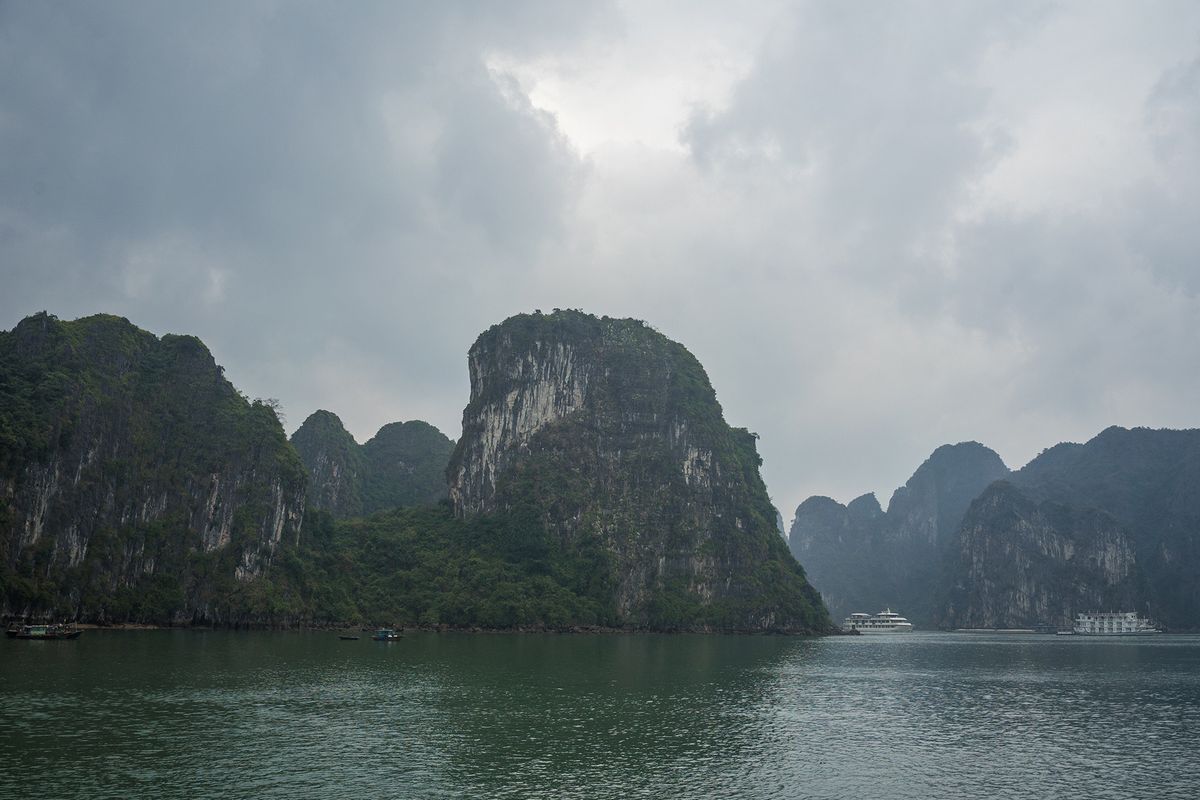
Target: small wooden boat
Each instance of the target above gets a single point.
(385, 635)
(49, 632)
(345, 638)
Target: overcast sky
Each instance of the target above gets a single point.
(881, 227)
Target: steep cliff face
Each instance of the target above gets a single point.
(334, 463)
(1019, 563)
(863, 559)
(607, 436)
(404, 464)
(135, 481)
(1149, 481)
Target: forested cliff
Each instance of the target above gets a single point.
(135, 481)
(608, 436)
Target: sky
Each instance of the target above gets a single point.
(881, 227)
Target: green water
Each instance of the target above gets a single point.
(204, 714)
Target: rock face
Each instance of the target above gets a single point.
(1019, 563)
(1149, 482)
(334, 462)
(605, 433)
(404, 464)
(135, 481)
(863, 559)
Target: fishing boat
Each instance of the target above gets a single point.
(385, 635)
(48, 632)
(1113, 623)
(886, 621)
(346, 638)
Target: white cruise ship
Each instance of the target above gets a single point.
(886, 621)
(1119, 623)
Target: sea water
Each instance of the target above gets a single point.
(222, 714)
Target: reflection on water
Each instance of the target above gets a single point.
(222, 714)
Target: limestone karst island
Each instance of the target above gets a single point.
(595, 484)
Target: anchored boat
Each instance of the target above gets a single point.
(886, 621)
(386, 635)
(48, 632)
(1110, 623)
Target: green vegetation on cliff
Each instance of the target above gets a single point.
(423, 566)
(135, 481)
(404, 464)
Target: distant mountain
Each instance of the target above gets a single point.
(135, 482)
(1018, 563)
(864, 559)
(1147, 484)
(1110, 524)
(607, 439)
(404, 464)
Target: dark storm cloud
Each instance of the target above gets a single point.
(278, 178)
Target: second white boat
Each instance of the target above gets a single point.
(886, 621)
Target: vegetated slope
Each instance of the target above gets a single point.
(422, 565)
(404, 464)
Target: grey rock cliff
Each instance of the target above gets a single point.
(334, 462)
(1019, 563)
(134, 480)
(608, 434)
(1149, 482)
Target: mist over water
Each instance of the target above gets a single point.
(303, 715)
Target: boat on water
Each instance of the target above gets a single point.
(47, 632)
(886, 621)
(346, 638)
(385, 635)
(1113, 623)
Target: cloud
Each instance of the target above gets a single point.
(269, 175)
(880, 227)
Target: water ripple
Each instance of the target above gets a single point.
(215, 715)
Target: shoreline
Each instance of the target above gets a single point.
(566, 630)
